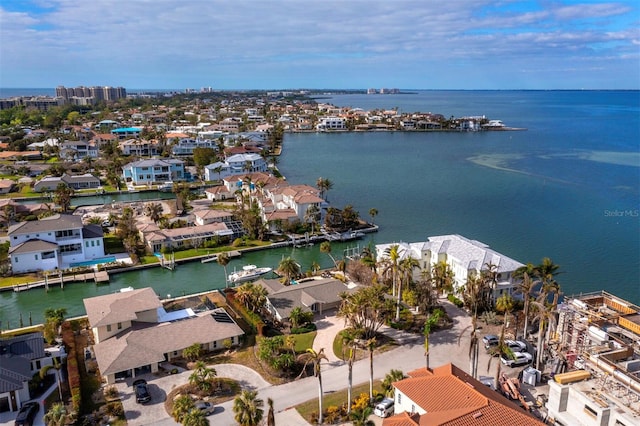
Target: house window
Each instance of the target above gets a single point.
(109, 328)
(38, 364)
(86, 244)
(215, 344)
(399, 398)
(98, 243)
(93, 243)
(119, 326)
(413, 408)
(175, 353)
(36, 256)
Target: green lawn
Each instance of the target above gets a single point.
(305, 341)
(336, 398)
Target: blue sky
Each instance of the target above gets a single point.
(278, 44)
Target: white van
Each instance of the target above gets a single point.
(384, 408)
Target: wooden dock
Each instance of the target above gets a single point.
(98, 277)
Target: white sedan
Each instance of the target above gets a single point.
(519, 358)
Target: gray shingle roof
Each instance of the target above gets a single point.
(56, 222)
(120, 307)
(144, 344)
(33, 246)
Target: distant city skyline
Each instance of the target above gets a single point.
(288, 44)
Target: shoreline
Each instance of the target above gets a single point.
(83, 275)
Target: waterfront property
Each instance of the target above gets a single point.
(235, 165)
(315, 294)
(153, 171)
(446, 395)
(134, 334)
(158, 240)
(20, 358)
(465, 257)
(53, 243)
(50, 183)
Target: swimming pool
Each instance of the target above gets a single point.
(98, 261)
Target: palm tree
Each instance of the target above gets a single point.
(223, 259)
(195, 417)
(154, 211)
(62, 197)
(312, 216)
(315, 358)
(56, 416)
(473, 293)
(373, 213)
(361, 417)
(442, 277)
(371, 346)
(323, 185)
(393, 254)
(315, 267)
(505, 303)
(525, 288)
(271, 418)
(407, 265)
(545, 315)
(181, 406)
(248, 408)
(387, 383)
(430, 323)
(325, 247)
(289, 268)
(349, 341)
(290, 342)
(201, 376)
(57, 366)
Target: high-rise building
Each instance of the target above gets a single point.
(91, 94)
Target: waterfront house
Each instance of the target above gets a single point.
(153, 171)
(159, 240)
(54, 242)
(21, 357)
(134, 334)
(331, 123)
(446, 395)
(465, 257)
(76, 182)
(315, 294)
(235, 165)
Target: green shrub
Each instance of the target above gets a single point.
(305, 329)
(453, 299)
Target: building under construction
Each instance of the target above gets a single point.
(599, 338)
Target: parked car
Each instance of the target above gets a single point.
(206, 407)
(519, 358)
(490, 340)
(27, 413)
(516, 345)
(384, 408)
(142, 392)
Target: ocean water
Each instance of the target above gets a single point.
(567, 187)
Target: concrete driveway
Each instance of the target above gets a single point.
(160, 386)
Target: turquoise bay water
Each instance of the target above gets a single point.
(568, 188)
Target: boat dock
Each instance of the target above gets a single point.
(214, 257)
(98, 277)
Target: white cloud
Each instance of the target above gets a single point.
(200, 41)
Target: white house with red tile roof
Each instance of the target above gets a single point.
(448, 396)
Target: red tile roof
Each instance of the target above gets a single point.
(452, 397)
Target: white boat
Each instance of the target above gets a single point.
(248, 273)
